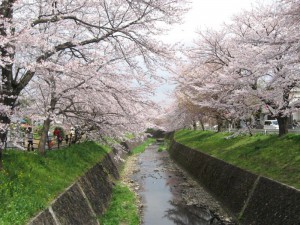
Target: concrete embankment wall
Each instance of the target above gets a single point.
(87, 198)
(252, 199)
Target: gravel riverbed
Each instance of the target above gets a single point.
(181, 200)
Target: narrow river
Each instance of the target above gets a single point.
(170, 196)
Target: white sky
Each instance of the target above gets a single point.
(206, 14)
(203, 14)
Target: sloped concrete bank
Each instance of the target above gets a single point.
(252, 199)
(84, 200)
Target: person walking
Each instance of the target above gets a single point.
(72, 136)
(29, 139)
(58, 135)
(67, 139)
(49, 140)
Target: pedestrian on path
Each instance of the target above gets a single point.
(72, 136)
(57, 133)
(29, 139)
(67, 139)
(49, 140)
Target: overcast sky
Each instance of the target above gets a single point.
(203, 14)
(207, 14)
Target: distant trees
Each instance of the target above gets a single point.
(250, 64)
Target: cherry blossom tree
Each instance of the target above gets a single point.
(206, 82)
(271, 61)
(249, 65)
(34, 33)
(182, 113)
(105, 103)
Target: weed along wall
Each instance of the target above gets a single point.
(84, 200)
(252, 199)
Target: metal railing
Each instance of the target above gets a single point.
(23, 145)
(259, 131)
(17, 139)
(273, 131)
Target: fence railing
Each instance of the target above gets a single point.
(258, 131)
(23, 144)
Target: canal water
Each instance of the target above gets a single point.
(170, 196)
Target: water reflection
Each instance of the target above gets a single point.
(191, 215)
(161, 194)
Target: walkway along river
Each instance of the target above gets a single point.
(170, 196)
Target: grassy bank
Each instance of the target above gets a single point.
(141, 148)
(29, 182)
(122, 208)
(268, 155)
(164, 145)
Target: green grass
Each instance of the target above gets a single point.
(163, 146)
(268, 155)
(29, 182)
(141, 148)
(122, 208)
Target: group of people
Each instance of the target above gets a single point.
(73, 136)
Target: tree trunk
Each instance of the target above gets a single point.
(220, 123)
(194, 125)
(6, 10)
(44, 137)
(3, 138)
(202, 124)
(1, 165)
(249, 128)
(283, 125)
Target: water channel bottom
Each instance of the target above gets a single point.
(162, 189)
